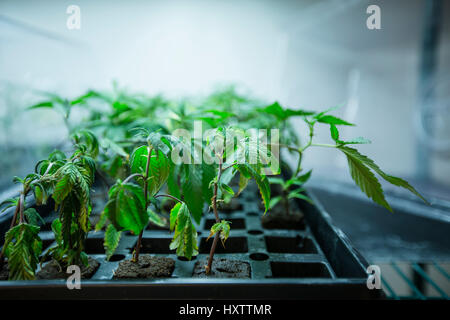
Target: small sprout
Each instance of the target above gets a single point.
(223, 228)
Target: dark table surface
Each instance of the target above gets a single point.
(414, 232)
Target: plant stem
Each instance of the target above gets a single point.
(48, 169)
(138, 244)
(168, 196)
(216, 214)
(13, 222)
(19, 211)
(323, 145)
(311, 135)
(302, 149)
(138, 247)
(132, 176)
(21, 206)
(290, 148)
(228, 167)
(299, 164)
(286, 203)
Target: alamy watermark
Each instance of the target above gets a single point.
(373, 22)
(374, 277)
(74, 280)
(251, 146)
(73, 21)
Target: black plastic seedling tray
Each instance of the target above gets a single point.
(315, 263)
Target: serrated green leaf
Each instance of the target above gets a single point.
(224, 228)
(155, 218)
(261, 180)
(193, 188)
(172, 180)
(72, 194)
(258, 155)
(159, 143)
(264, 190)
(276, 110)
(67, 207)
(174, 215)
(89, 139)
(138, 160)
(57, 230)
(208, 173)
(185, 237)
(126, 208)
(226, 188)
(335, 136)
(158, 171)
(56, 155)
(282, 114)
(358, 140)
(33, 217)
(63, 188)
(24, 248)
(364, 178)
(8, 203)
(111, 240)
(243, 182)
(49, 166)
(334, 132)
(353, 153)
(159, 167)
(291, 112)
(329, 119)
(225, 192)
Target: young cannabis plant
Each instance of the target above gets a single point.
(290, 189)
(230, 161)
(68, 181)
(128, 205)
(22, 244)
(63, 106)
(361, 167)
(72, 182)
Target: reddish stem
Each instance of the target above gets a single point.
(13, 222)
(19, 211)
(138, 244)
(21, 207)
(216, 214)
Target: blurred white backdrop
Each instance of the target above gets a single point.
(310, 54)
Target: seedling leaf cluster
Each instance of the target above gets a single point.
(126, 145)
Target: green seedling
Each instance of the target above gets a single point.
(71, 187)
(290, 189)
(228, 163)
(23, 245)
(361, 167)
(142, 168)
(128, 205)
